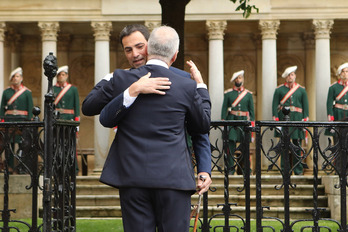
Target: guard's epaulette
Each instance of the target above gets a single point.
(249, 91)
(302, 86)
(280, 86)
(228, 90)
(333, 83)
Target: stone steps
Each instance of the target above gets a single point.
(95, 199)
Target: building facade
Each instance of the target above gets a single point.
(83, 34)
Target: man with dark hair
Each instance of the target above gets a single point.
(149, 161)
(133, 39)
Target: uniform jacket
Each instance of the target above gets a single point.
(246, 105)
(150, 149)
(70, 101)
(297, 102)
(99, 97)
(337, 113)
(24, 103)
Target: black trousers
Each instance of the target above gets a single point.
(145, 209)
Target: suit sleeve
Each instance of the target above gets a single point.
(76, 105)
(95, 101)
(2, 107)
(305, 105)
(329, 102)
(198, 118)
(225, 106)
(201, 147)
(113, 112)
(275, 104)
(251, 108)
(30, 105)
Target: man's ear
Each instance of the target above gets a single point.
(147, 54)
(174, 57)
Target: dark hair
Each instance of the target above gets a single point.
(129, 29)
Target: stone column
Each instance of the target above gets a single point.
(322, 30)
(216, 65)
(258, 44)
(269, 65)
(310, 89)
(2, 55)
(101, 68)
(49, 33)
(269, 74)
(152, 24)
(310, 73)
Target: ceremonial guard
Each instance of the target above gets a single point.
(16, 105)
(337, 98)
(67, 97)
(294, 96)
(237, 105)
(17, 101)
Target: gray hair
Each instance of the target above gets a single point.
(163, 43)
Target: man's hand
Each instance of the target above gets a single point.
(146, 85)
(195, 73)
(203, 186)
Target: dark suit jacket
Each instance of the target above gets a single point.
(97, 99)
(150, 149)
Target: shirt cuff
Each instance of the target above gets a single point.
(202, 85)
(127, 99)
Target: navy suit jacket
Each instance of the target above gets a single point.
(99, 97)
(150, 149)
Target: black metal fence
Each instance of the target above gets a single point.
(46, 152)
(326, 147)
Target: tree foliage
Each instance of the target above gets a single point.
(245, 7)
(173, 14)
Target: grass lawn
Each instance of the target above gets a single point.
(115, 225)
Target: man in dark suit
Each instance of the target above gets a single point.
(149, 161)
(133, 39)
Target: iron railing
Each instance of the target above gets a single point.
(43, 150)
(329, 156)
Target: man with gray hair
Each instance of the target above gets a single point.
(149, 161)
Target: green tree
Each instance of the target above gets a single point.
(173, 14)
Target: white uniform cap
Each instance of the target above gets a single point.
(237, 74)
(17, 70)
(288, 71)
(342, 66)
(64, 68)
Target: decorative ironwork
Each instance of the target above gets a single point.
(328, 157)
(52, 159)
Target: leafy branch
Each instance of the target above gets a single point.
(245, 7)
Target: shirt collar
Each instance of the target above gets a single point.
(157, 62)
(65, 84)
(16, 89)
(238, 88)
(292, 86)
(342, 83)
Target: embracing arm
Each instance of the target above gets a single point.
(97, 99)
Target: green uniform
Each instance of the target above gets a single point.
(232, 110)
(298, 103)
(69, 105)
(244, 110)
(20, 109)
(337, 109)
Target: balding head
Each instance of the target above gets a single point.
(163, 44)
